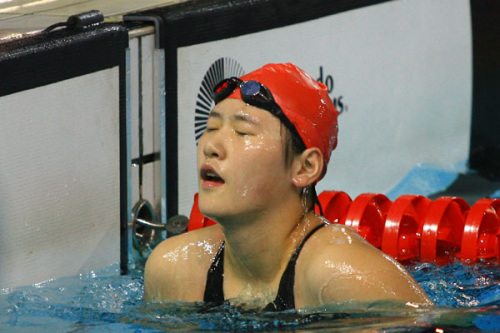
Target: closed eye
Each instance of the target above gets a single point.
(242, 133)
(210, 129)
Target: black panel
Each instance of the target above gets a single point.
(485, 131)
(471, 187)
(197, 22)
(61, 54)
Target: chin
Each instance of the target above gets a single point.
(209, 209)
(219, 207)
(217, 214)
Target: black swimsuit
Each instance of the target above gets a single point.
(285, 298)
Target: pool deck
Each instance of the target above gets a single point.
(19, 18)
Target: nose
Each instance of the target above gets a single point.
(213, 145)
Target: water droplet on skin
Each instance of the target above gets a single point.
(207, 247)
(243, 191)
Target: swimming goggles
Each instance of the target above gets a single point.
(255, 94)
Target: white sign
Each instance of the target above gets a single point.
(60, 179)
(400, 72)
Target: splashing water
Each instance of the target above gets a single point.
(468, 300)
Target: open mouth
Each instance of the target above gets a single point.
(209, 175)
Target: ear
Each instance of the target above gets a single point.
(307, 167)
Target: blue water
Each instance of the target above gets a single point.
(468, 300)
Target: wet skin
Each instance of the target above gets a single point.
(245, 186)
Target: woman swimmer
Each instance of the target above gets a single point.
(267, 143)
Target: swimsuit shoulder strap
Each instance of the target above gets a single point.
(285, 299)
(214, 288)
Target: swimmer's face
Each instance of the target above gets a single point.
(240, 162)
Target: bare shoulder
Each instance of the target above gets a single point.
(176, 269)
(338, 265)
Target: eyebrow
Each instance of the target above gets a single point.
(214, 114)
(240, 116)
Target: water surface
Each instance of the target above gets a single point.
(467, 299)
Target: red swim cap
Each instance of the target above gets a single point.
(304, 101)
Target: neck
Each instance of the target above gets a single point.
(258, 250)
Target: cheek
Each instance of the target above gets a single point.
(261, 154)
(199, 151)
(260, 167)
(200, 145)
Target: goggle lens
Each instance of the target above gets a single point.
(250, 88)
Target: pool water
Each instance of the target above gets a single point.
(467, 299)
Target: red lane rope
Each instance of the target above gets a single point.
(412, 227)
